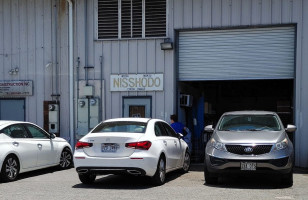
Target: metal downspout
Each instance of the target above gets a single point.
(71, 72)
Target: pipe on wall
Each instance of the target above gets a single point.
(71, 70)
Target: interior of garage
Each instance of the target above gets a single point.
(212, 98)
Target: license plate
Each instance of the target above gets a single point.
(250, 166)
(110, 147)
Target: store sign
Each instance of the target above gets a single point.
(137, 82)
(16, 88)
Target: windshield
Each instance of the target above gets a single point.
(129, 127)
(249, 123)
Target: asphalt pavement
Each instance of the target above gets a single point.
(51, 184)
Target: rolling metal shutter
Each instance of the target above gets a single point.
(238, 54)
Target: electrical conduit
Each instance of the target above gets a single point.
(71, 72)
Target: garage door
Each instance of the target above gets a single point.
(237, 54)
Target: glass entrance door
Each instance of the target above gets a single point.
(137, 107)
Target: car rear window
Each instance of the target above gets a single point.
(129, 127)
(249, 123)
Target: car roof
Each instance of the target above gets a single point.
(4, 123)
(130, 119)
(250, 112)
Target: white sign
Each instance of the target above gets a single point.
(137, 82)
(15, 88)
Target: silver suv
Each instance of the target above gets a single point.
(249, 142)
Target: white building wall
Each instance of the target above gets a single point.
(33, 38)
(127, 56)
(26, 43)
(34, 33)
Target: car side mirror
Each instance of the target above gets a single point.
(52, 136)
(290, 128)
(180, 135)
(209, 129)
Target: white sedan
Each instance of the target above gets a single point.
(136, 146)
(25, 147)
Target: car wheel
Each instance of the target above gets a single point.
(186, 164)
(209, 177)
(87, 178)
(160, 174)
(287, 179)
(10, 169)
(66, 159)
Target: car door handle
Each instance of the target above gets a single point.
(15, 144)
(39, 146)
(165, 143)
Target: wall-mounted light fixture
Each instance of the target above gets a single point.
(166, 45)
(14, 71)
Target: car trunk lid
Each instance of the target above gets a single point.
(111, 144)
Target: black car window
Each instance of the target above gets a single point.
(249, 123)
(36, 132)
(160, 130)
(123, 126)
(15, 131)
(169, 130)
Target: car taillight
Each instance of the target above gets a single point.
(144, 145)
(81, 145)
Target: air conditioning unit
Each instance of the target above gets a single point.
(186, 100)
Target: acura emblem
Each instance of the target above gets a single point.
(248, 149)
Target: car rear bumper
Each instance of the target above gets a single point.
(143, 166)
(111, 170)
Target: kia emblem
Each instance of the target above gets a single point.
(248, 150)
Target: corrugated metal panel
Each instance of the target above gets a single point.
(238, 54)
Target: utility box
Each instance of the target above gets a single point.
(53, 116)
(82, 116)
(87, 90)
(94, 112)
(88, 115)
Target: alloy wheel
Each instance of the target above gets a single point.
(186, 163)
(66, 159)
(162, 170)
(11, 168)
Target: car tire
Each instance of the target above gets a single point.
(159, 177)
(186, 163)
(66, 159)
(287, 179)
(87, 178)
(10, 169)
(209, 177)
